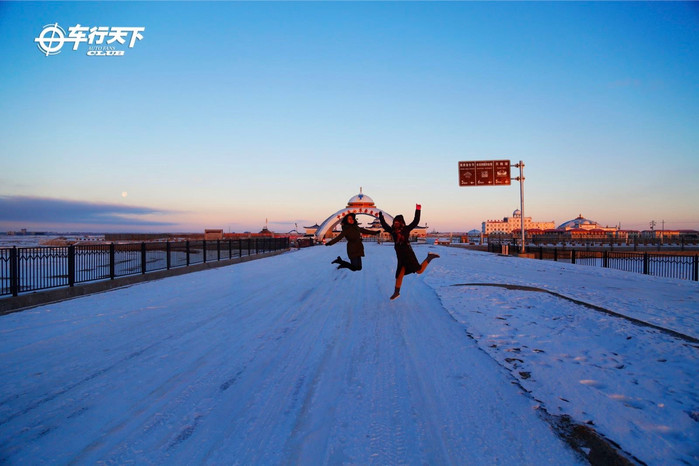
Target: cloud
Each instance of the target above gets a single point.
(28, 209)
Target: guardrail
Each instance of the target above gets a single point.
(683, 266)
(28, 269)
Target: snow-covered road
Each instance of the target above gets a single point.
(283, 360)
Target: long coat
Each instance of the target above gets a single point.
(401, 243)
(353, 233)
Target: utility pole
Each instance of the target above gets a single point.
(520, 178)
(662, 232)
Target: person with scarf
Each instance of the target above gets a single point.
(407, 261)
(355, 248)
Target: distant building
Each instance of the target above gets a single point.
(474, 236)
(669, 235)
(311, 231)
(213, 234)
(580, 229)
(583, 229)
(510, 224)
(581, 223)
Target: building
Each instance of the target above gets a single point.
(579, 230)
(509, 224)
(311, 231)
(212, 234)
(581, 223)
(474, 236)
(583, 229)
(360, 205)
(669, 235)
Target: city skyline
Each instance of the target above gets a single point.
(232, 114)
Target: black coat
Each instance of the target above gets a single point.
(353, 233)
(401, 242)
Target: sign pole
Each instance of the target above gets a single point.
(520, 178)
(494, 173)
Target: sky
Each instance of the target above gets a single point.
(473, 364)
(236, 114)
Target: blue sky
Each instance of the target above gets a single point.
(230, 114)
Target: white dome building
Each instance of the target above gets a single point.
(581, 223)
(361, 200)
(360, 204)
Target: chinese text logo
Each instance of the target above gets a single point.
(102, 40)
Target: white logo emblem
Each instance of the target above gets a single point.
(52, 38)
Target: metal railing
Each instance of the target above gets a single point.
(681, 266)
(29, 269)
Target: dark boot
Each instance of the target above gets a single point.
(396, 293)
(337, 261)
(344, 265)
(431, 256)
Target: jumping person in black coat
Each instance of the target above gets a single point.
(355, 249)
(407, 262)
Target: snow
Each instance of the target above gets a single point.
(288, 360)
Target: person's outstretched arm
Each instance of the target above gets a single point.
(384, 224)
(335, 239)
(416, 219)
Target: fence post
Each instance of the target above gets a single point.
(555, 254)
(168, 250)
(112, 261)
(605, 259)
(187, 251)
(249, 244)
(14, 271)
(218, 249)
(240, 247)
(230, 249)
(541, 253)
(143, 258)
(645, 263)
(572, 256)
(71, 265)
(696, 267)
(203, 247)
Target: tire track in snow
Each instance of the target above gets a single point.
(106, 371)
(289, 375)
(169, 385)
(63, 390)
(642, 323)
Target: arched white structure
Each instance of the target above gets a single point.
(361, 204)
